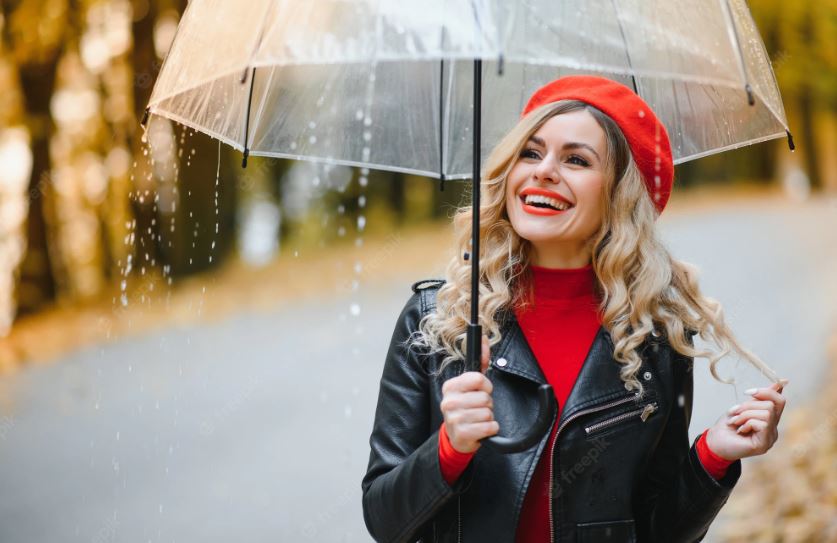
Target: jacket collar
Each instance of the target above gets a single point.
(598, 380)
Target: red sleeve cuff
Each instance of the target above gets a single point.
(452, 462)
(714, 464)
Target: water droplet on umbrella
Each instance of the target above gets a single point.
(312, 139)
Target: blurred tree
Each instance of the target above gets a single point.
(145, 64)
(35, 34)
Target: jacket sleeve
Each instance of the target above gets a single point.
(403, 487)
(679, 499)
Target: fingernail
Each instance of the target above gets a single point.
(751, 391)
(733, 408)
(733, 419)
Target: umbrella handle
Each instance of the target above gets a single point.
(546, 402)
(508, 445)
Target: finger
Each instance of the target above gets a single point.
(479, 414)
(472, 399)
(744, 406)
(472, 380)
(752, 425)
(771, 394)
(760, 414)
(469, 380)
(479, 430)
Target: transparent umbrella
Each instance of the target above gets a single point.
(400, 86)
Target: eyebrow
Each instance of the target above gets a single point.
(568, 145)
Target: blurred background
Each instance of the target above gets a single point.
(162, 310)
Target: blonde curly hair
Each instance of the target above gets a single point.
(641, 287)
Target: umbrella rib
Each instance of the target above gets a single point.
(736, 43)
(441, 124)
(729, 147)
(625, 41)
(247, 118)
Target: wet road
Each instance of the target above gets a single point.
(218, 432)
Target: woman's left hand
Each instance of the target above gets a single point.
(750, 428)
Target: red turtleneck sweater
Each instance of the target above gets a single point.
(565, 313)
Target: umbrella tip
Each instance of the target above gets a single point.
(244, 159)
(791, 146)
(751, 99)
(144, 120)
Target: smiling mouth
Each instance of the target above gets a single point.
(539, 205)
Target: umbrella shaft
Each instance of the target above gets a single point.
(475, 330)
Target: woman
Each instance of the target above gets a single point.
(578, 292)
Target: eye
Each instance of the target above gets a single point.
(530, 153)
(580, 161)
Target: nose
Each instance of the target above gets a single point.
(547, 170)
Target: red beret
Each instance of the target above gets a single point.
(646, 135)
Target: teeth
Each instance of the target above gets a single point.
(557, 204)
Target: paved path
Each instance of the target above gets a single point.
(213, 433)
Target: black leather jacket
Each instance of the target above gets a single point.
(623, 467)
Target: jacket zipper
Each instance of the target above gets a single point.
(458, 522)
(643, 412)
(552, 448)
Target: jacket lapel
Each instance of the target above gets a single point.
(598, 380)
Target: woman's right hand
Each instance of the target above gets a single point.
(468, 407)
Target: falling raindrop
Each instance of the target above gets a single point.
(361, 201)
(354, 309)
(361, 223)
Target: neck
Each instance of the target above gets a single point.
(563, 284)
(563, 256)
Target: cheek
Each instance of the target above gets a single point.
(592, 195)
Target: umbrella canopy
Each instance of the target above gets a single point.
(400, 85)
(388, 85)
